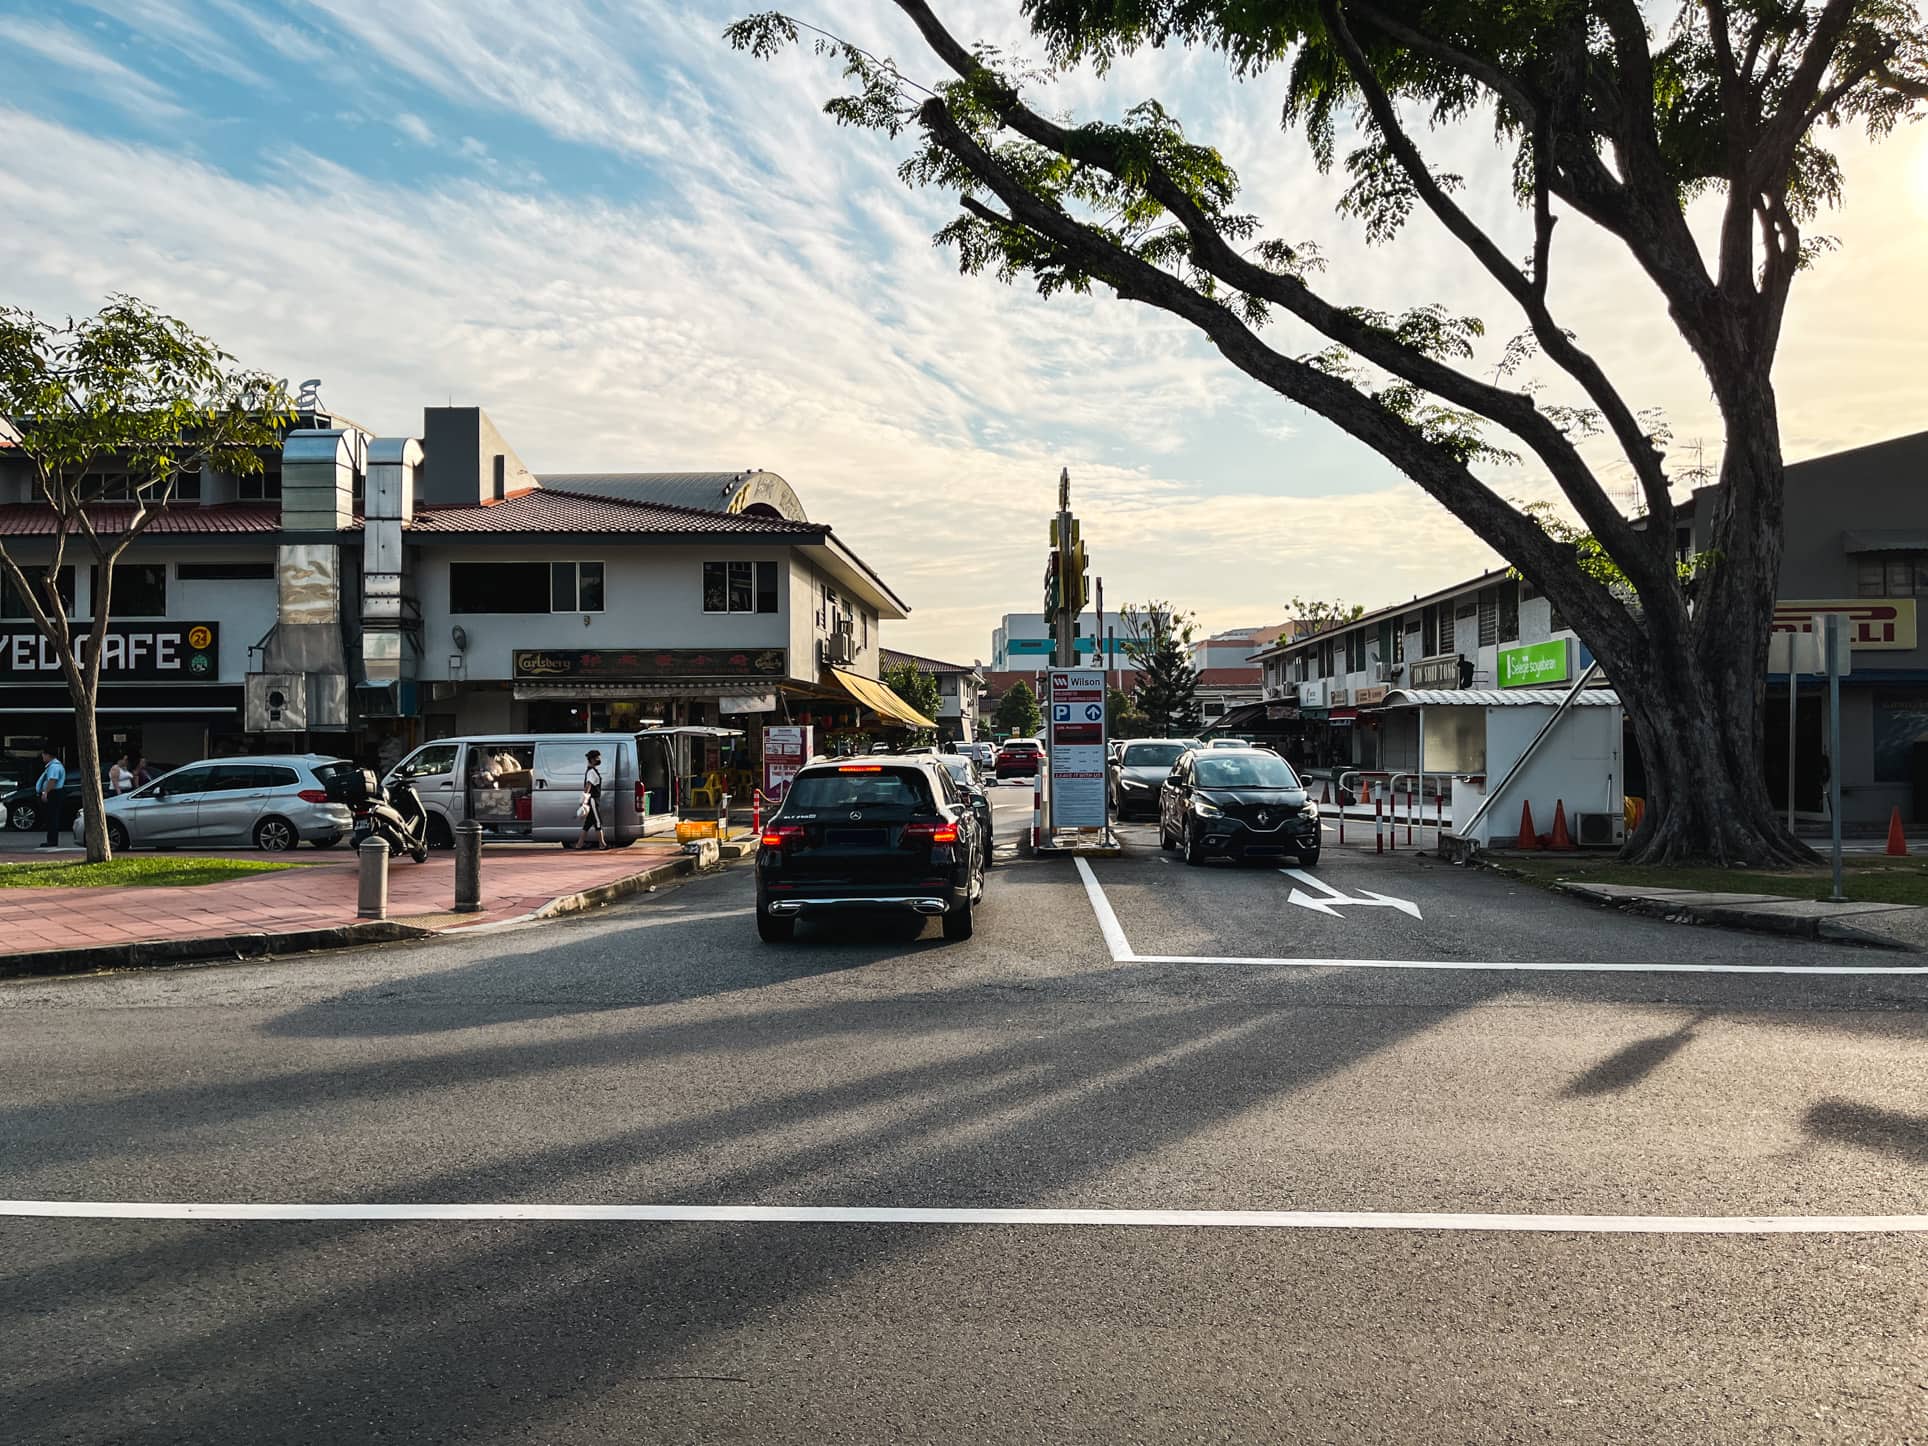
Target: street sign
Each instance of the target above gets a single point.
(1077, 747)
(1329, 900)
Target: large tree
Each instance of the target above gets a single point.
(1158, 640)
(111, 411)
(1017, 711)
(1603, 117)
(919, 689)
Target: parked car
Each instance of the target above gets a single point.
(964, 773)
(274, 802)
(23, 806)
(524, 786)
(1140, 770)
(1017, 756)
(1240, 803)
(889, 834)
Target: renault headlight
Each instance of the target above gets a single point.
(1205, 808)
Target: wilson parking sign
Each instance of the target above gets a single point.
(1077, 748)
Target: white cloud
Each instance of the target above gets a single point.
(414, 127)
(102, 75)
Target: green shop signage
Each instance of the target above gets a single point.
(1534, 665)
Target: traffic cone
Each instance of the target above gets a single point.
(1326, 796)
(1528, 839)
(1897, 841)
(1561, 838)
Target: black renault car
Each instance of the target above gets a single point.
(1242, 803)
(883, 834)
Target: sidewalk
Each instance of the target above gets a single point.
(1892, 926)
(318, 897)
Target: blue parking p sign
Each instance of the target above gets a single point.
(1060, 712)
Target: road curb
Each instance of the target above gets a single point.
(158, 953)
(610, 892)
(1736, 916)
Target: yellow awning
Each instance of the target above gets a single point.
(880, 699)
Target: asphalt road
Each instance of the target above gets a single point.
(657, 1053)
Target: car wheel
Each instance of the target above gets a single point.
(25, 817)
(958, 923)
(440, 835)
(275, 835)
(1193, 853)
(771, 929)
(1309, 859)
(117, 838)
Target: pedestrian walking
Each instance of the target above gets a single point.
(590, 809)
(143, 775)
(53, 778)
(121, 777)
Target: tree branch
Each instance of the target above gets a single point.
(1435, 470)
(1475, 67)
(1598, 510)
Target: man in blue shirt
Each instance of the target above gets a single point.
(53, 778)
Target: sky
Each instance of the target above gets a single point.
(640, 250)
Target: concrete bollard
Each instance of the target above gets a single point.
(373, 902)
(468, 867)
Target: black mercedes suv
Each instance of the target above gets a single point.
(877, 834)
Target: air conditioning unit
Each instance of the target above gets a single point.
(1599, 830)
(840, 648)
(1384, 672)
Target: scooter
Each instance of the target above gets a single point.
(394, 814)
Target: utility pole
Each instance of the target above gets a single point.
(1098, 642)
(1064, 653)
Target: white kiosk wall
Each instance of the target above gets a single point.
(1579, 764)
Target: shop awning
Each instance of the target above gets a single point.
(706, 688)
(1497, 697)
(880, 699)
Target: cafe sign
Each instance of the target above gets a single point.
(1535, 665)
(642, 665)
(131, 652)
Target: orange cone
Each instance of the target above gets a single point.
(1527, 839)
(1561, 838)
(1326, 796)
(1897, 841)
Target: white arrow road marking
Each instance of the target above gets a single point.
(1330, 904)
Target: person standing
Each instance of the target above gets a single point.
(590, 811)
(53, 778)
(120, 778)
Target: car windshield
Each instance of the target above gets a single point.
(1152, 755)
(1252, 770)
(857, 787)
(960, 768)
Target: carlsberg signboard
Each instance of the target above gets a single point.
(1534, 666)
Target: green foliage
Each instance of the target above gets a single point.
(1017, 711)
(919, 689)
(1123, 718)
(1593, 560)
(1312, 616)
(1158, 642)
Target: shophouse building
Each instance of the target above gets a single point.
(366, 593)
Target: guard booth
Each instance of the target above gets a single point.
(1498, 749)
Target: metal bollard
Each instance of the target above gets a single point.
(1378, 827)
(373, 903)
(468, 867)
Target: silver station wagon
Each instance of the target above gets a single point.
(275, 803)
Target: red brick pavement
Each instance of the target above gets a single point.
(321, 892)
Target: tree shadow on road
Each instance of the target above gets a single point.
(1628, 1066)
(1844, 1122)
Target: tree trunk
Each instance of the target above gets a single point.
(1706, 792)
(87, 765)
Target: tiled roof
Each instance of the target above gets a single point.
(1224, 677)
(37, 520)
(546, 509)
(896, 658)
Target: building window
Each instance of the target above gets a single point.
(745, 587)
(1399, 640)
(13, 605)
(224, 571)
(1489, 616)
(575, 587)
(499, 587)
(1509, 608)
(263, 486)
(1356, 651)
(140, 590)
(1429, 632)
(187, 486)
(1893, 576)
(1447, 642)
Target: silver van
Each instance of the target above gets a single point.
(524, 787)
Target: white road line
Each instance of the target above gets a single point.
(1122, 953)
(972, 1215)
(1108, 924)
